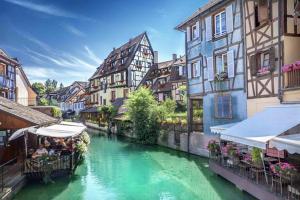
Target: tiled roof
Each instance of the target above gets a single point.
(125, 52)
(24, 112)
(199, 11)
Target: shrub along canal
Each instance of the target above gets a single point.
(118, 169)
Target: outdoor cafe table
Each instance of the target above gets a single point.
(255, 169)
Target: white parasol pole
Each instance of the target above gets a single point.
(262, 158)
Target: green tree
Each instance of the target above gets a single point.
(50, 85)
(107, 115)
(43, 102)
(39, 88)
(61, 86)
(56, 112)
(143, 112)
(182, 105)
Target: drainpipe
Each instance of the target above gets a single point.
(188, 97)
(280, 32)
(245, 49)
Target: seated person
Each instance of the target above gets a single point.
(46, 143)
(40, 152)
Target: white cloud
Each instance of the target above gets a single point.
(46, 9)
(41, 74)
(92, 55)
(35, 72)
(74, 30)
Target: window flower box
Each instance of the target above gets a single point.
(287, 68)
(221, 76)
(296, 66)
(263, 71)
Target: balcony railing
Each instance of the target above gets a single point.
(292, 79)
(258, 181)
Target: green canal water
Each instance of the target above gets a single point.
(116, 169)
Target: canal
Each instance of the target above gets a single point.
(116, 169)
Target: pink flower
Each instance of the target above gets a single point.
(287, 68)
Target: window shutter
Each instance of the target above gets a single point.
(230, 63)
(223, 106)
(210, 68)
(272, 58)
(180, 70)
(189, 71)
(208, 28)
(263, 10)
(188, 33)
(229, 19)
(199, 68)
(198, 28)
(253, 65)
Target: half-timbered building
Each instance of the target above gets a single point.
(8, 67)
(215, 64)
(165, 79)
(121, 72)
(71, 98)
(272, 35)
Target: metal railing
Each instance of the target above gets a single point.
(2, 172)
(292, 79)
(282, 186)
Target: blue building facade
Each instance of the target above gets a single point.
(215, 64)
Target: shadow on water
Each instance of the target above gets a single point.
(221, 186)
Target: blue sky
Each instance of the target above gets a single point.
(67, 40)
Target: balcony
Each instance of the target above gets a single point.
(291, 76)
(262, 184)
(292, 79)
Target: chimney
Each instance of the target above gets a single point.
(174, 56)
(155, 58)
(114, 48)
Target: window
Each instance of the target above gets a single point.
(2, 70)
(223, 106)
(262, 62)
(194, 32)
(194, 70)
(221, 63)
(100, 100)
(125, 93)
(220, 23)
(122, 76)
(2, 138)
(181, 70)
(104, 102)
(262, 12)
(113, 96)
(112, 80)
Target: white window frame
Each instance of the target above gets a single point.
(263, 59)
(223, 63)
(222, 32)
(194, 32)
(194, 69)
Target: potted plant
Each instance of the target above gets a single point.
(283, 169)
(256, 158)
(214, 148)
(264, 70)
(221, 76)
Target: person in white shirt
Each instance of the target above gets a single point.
(40, 151)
